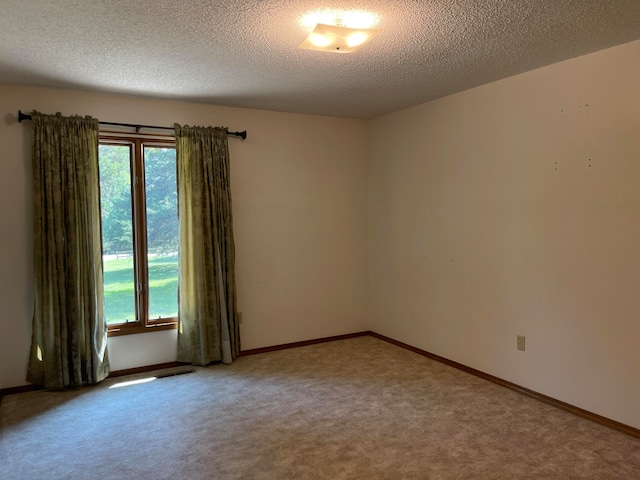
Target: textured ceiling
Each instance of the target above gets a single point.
(244, 53)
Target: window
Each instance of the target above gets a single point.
(138, 201)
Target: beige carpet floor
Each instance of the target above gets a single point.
(351, 409)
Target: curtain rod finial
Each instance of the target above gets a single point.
(242, 134)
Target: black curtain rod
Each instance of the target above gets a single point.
(242, 135)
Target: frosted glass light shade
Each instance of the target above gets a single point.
(337, 39)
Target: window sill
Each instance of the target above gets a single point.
(117, 330)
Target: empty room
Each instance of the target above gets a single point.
(320, 240)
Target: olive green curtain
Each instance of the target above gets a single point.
(69, 332)
(208, 329)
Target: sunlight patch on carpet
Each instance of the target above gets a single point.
(132, 382)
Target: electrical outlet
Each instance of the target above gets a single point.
(239, 318)
(520, 342)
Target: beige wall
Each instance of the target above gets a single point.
(299, 191)
(514, 208)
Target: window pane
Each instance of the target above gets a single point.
(117, 236)
(162, 231)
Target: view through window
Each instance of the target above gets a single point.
(138, 198)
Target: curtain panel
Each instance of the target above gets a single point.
(208, 320)
(69, 331)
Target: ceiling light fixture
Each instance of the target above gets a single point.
(337, 38)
